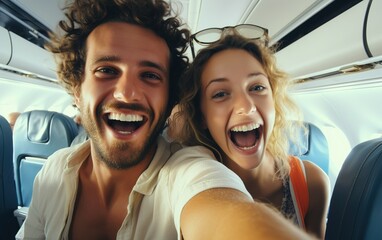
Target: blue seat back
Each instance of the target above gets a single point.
(8, 200)
(314, 147)
(355, 210)
(37, 134)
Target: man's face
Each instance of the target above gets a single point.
(12, 117)
(125, 91)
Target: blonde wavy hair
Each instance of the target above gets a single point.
(189, 110)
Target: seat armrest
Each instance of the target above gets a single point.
(21, 213)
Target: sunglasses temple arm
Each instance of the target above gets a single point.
(192, 49)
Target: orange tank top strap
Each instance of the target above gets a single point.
(299, 189)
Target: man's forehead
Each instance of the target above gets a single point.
(122, 40)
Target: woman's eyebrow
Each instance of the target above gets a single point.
(216, 80)
(255, 74)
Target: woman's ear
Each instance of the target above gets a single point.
(204, 123)
(77, 98)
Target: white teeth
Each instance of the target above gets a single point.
(247, 148)
(125, 117)
(246, 128)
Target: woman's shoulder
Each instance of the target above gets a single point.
(318, 185)
(316, 177)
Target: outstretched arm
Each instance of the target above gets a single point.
(225, 213)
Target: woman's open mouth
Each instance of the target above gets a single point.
(245, 136)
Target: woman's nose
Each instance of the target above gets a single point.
(244, 104)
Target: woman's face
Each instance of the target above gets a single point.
(237, 106)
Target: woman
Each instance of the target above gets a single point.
(234, 101)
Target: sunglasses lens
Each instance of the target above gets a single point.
(212, 35)
(250, 31)
(208, 36)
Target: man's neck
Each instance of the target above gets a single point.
(109, 182)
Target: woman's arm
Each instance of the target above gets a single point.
(319, 188)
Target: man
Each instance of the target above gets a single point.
(120, 60)
(12, 117)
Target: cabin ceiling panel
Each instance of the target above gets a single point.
(219, 13)
(47, 12)
(280, 17)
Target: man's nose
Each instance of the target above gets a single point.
(127, 88)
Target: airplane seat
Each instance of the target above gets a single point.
(8, 199)
(37, 134)
(314, 147)
(355, 210)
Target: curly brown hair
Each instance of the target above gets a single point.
(83, 16)
(194, 133)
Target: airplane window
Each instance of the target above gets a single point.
(370, 136)
(337, 154)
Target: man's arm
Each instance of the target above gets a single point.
(225, 213)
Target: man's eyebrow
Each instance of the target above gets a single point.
(144, 63)
(107, 59)
(161, 68)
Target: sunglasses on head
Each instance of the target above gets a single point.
(212, 35)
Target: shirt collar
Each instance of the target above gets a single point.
(147, 182)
